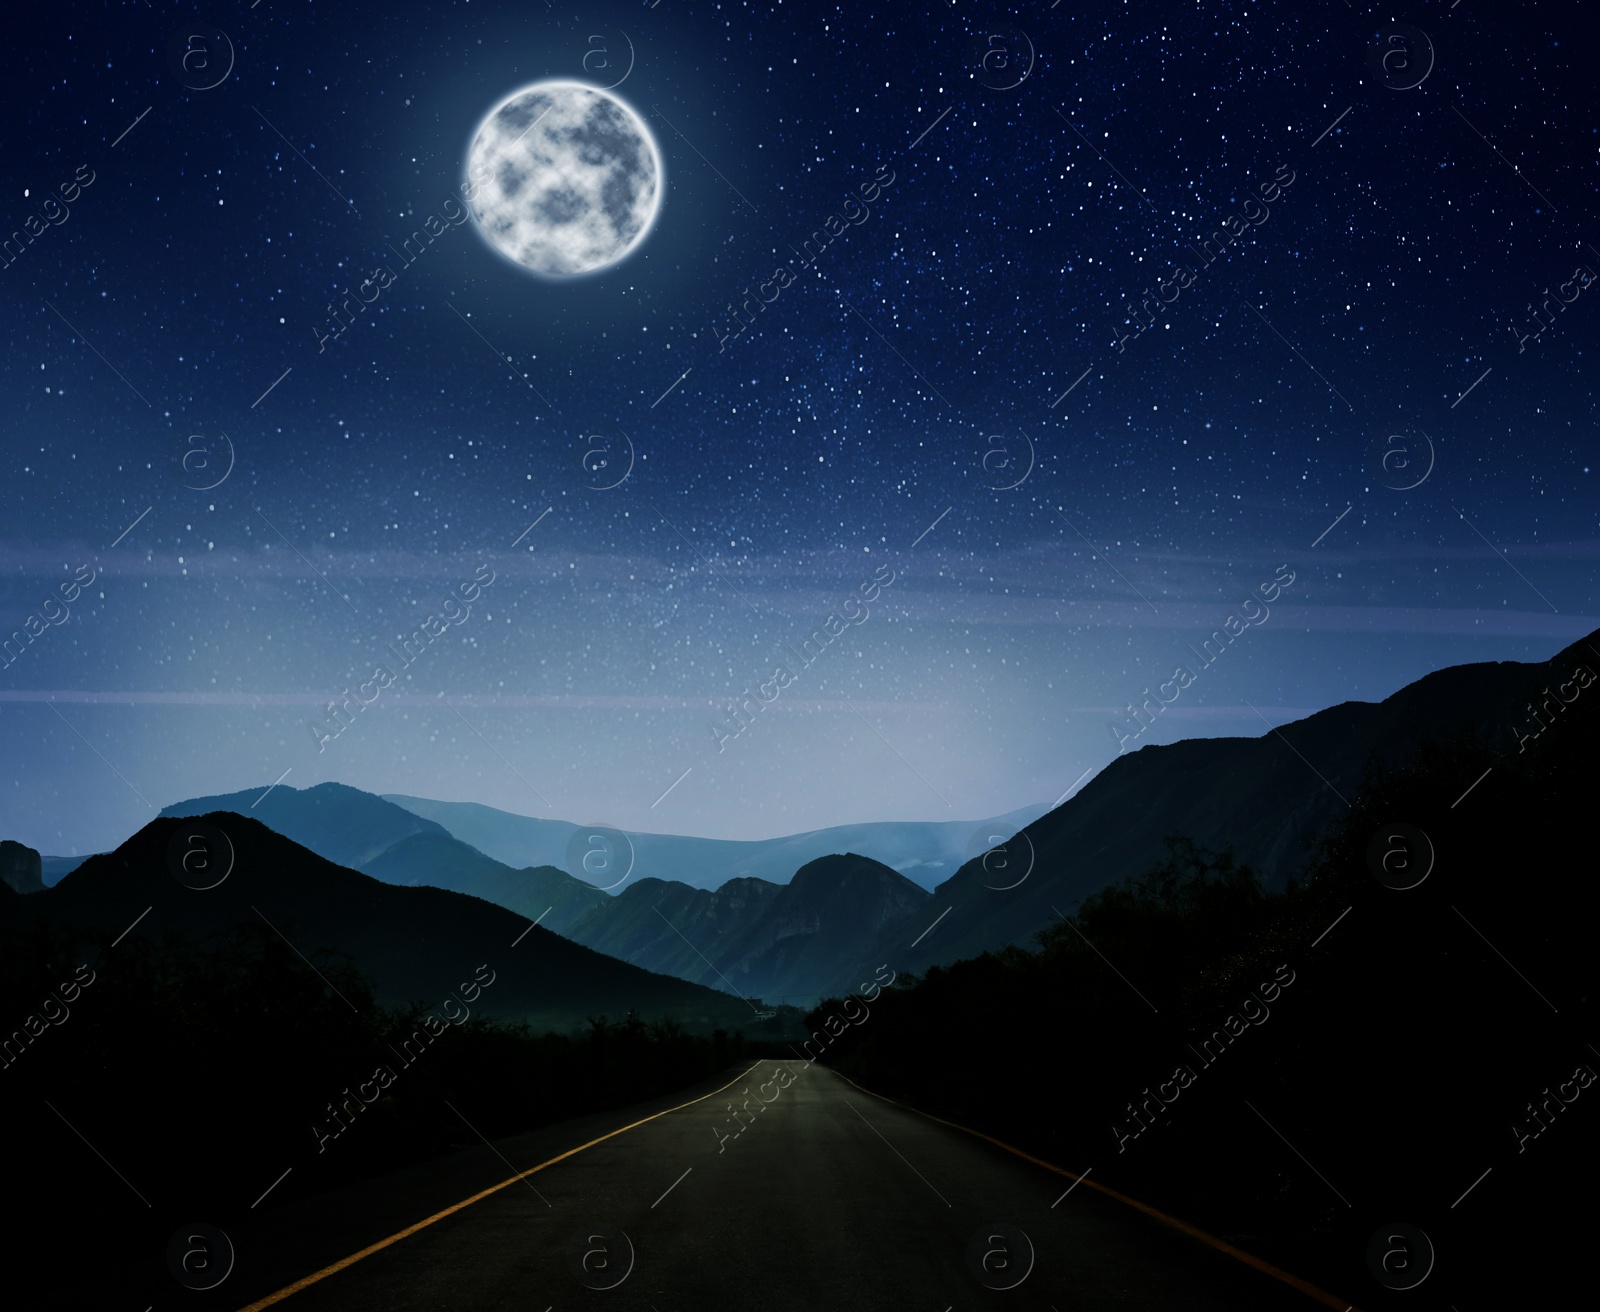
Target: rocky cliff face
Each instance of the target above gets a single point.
(20, 867)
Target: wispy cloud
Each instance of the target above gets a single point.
(1045, 584)
(550, 701)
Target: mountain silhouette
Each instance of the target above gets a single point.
(1447, 910)
(801, 935)
(1268, 798)
(802, 939)
(413, 944)
(20, 867)
(552, 897)
(343, 824)
(54, 868)
(363, 831)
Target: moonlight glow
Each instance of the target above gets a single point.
(568, 178)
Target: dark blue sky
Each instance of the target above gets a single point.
(1033, 293)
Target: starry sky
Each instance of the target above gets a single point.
(1111, 316)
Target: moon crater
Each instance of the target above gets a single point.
(565, 178)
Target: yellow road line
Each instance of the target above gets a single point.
(1221, 1245)
(398, 1235)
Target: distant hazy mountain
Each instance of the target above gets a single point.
(801, 935)
(926, 852)
(795, 942)
(552, 897)
(415, 944)
(1269, 798)
(338, 822)
(364, 832)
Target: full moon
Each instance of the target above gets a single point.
(564, 178)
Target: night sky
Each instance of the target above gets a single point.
(1017, 383)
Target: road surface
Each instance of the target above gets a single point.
(829, 1198)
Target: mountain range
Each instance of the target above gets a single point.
(805, 930)
(925, 851)
(793, 942)
(796, 939)
(1268, 798)
(414, 944)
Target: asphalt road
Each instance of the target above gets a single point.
(829, 1198)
